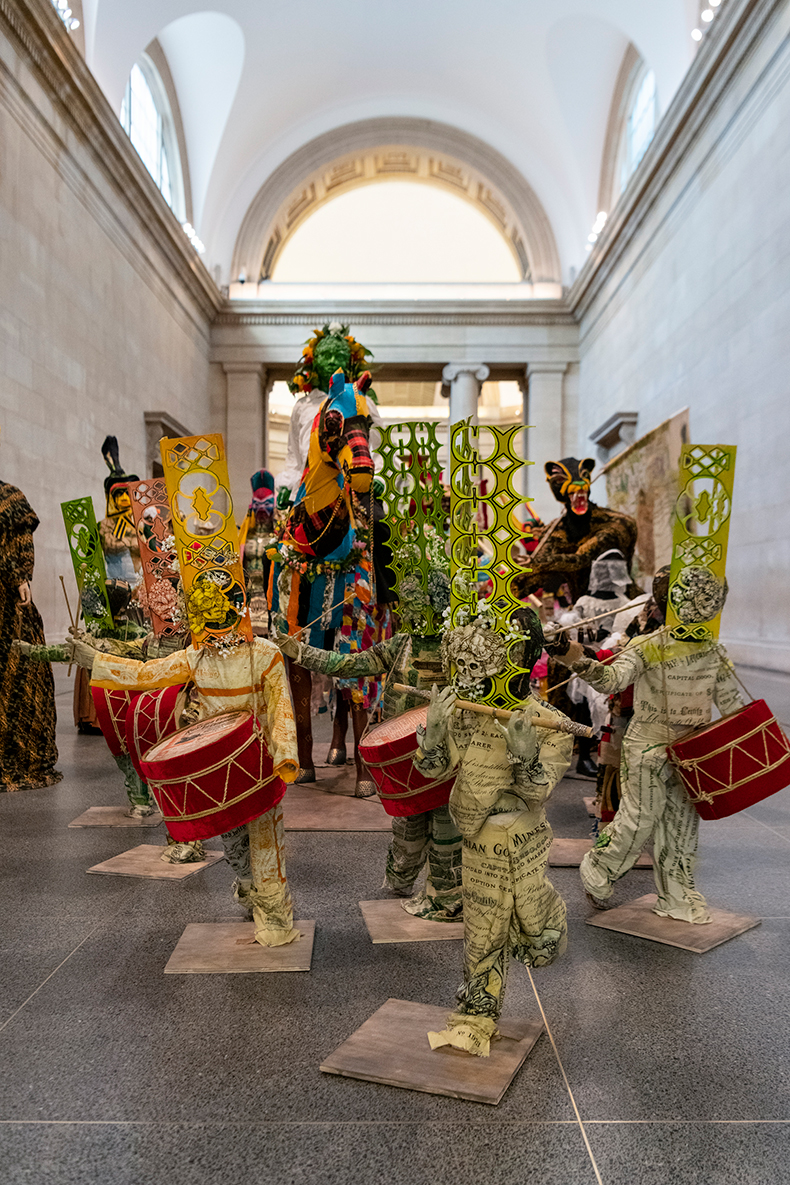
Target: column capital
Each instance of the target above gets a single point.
(478, 370)
(546, 368)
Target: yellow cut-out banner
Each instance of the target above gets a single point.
(207, 539)
(700, 531)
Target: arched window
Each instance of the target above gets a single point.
(640, 124)
(148, 122)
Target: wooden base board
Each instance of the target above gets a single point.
(392, 1048)
(113, 816)
(146, 861)
(318, 807)
(229, 948)
(637, 918)
(569, 853)
(387, 921)
(589, 804)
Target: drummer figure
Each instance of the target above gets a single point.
(676, 684)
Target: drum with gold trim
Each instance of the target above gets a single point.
(153, 716)
(112, 709)
(212, 776)
(734, 762)
(388, 751)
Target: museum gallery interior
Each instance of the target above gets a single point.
(394, 547)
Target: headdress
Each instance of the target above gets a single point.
(570, 481)
(123, 518)
(330, 349)
(413, 494)
(515, 635)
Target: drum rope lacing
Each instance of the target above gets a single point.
(408, 791)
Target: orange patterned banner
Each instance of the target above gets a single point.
(207, 539)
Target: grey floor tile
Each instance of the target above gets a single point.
(691, 1153)
(271, 1153)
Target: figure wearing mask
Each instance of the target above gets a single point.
(117, 530)
(676, 684)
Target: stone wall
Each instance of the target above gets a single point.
(687, 301)
(104, 306)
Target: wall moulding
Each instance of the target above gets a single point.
(408, 149)
(539, 313)
(730, 42)
(101, 168)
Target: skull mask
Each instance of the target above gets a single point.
(476, 653)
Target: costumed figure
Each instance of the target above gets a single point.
(564, 557)
(676, 684)
(679, 673)
(322, 577)
(117, 530)
(418, 559)
(27, 693)
(257, 537)
(504, 774)
(234, 677)
(582, 533)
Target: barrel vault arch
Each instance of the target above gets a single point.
(374, 150)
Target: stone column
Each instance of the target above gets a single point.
(464, 379)
(245, 438)
(543, 412)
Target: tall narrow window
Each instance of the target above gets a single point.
(640, 125)
(148, 122)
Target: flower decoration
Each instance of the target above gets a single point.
(306, 377)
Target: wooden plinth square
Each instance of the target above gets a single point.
(113, 816)
(146, 861)
(229, 948)
(569, 853)
(637, 918)
(388, 921)
(392, 1048)
(316, 808)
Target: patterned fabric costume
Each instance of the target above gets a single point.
(251, 675)
(323, 558)
(256, 537)
(675, 686)
(27, 693)
(510, 906)
(430, 836)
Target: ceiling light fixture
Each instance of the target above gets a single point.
(707, 15)
(64, 12)
(696, 34)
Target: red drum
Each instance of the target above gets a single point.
(733, 763)
(153, 716)
(388, 751)
(112, 708)
(212, 776)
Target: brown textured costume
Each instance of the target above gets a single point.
(570, 543)
(27, 693)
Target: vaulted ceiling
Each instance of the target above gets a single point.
(258, 80)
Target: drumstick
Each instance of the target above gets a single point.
(577, 625)
(563, 725)
(346, 600)
(71, 617)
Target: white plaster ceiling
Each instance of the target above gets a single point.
(532, 78)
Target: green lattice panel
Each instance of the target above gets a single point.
(87, 557)
(464, 485)
(412, 477)
(504, 472)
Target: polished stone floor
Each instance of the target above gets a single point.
(667, 1067)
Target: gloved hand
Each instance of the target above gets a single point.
(521, 736)
(21, 647)
(440, 709)
(567, 656)
(288, 644)
(283, 498)
(80, 653)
